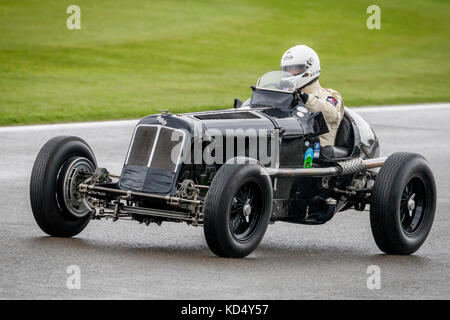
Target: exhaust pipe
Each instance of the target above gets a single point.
(343, 167)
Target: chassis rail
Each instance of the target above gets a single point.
(157, 213)
(129, 194)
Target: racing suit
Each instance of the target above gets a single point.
(328, 101)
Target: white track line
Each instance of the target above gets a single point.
(74, 125)
(403, 107)
(130, 123)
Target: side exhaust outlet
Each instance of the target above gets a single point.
(343, 167)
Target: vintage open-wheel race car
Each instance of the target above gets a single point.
(235, 171)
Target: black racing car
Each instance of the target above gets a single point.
(235, 171)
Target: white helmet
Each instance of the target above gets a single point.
(303, 63)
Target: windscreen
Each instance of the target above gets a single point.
(277, 81)
(274, 89)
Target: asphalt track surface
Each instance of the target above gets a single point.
(128, 260)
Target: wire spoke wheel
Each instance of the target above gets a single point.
(238, 207)
(403, 203)
(60, 166)
(412, 205)
(246, 209)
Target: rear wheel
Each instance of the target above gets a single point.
(237, 210)
(403, 204)
(60, 166)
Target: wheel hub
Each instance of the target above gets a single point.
(74, 203)
(247, 209)
(411, 204)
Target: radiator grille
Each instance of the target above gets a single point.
(153, 147)
(142, 145)
(165, 150)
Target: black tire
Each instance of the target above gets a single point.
(51, 164)
(400, 226)
(227, 233)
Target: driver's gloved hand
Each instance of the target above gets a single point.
(304, 96)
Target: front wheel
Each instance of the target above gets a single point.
(403, 204)
(237, 210)
(60, 166)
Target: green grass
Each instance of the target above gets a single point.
(133, 58)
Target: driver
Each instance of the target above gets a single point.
(303, 63)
